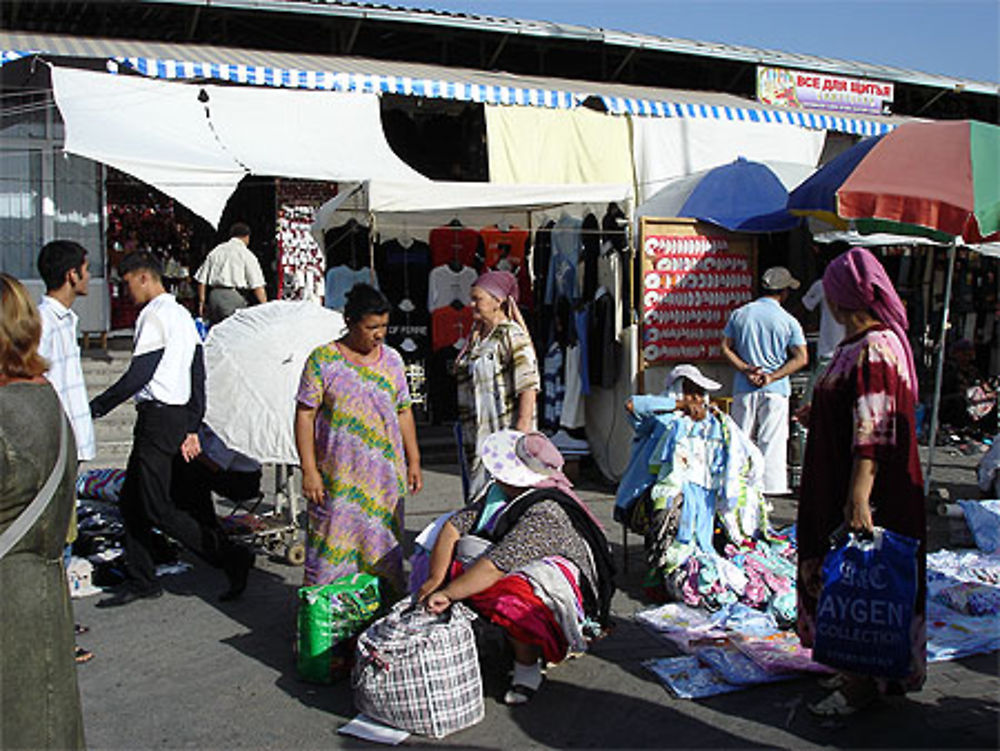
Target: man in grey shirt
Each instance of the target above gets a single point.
(230, 271)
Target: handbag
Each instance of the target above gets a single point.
(330, 615)
(419, 672)
(866, 605)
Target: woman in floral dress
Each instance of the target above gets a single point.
(861, 465)
(357, 445)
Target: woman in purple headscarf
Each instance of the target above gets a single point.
(497, 371)
(861, 465)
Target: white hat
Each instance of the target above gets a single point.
(692, 374)
(778, 278)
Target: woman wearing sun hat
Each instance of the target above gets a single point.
(528, 555)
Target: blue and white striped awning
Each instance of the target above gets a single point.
(260, 75)
(7, 56)
(475, 91)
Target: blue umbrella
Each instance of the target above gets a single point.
(741, 196)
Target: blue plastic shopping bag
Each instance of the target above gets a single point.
(864, 611)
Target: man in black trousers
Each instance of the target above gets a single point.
(167, 378)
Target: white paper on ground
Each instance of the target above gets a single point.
(367, 729)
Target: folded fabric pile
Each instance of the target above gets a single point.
(963, 600)
(100, 485)
(759, 573)
(729, 650)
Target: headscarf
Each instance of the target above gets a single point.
(855, 280)
(500, 284)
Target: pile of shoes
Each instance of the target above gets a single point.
(101, 538)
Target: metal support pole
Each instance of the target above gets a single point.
(939, 370)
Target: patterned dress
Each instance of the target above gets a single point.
(491, 374)
(863, 407)
(359, 452)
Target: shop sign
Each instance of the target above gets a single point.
(796, 89)
(691, 283)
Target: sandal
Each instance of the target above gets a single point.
(838, 705)
(833, 682)
(518, 694)
(79, 628)
(82, 655)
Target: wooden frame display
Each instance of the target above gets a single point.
(693, 276)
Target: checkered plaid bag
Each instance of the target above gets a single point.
(420, 672)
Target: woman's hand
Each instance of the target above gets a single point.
(312, 486)
(431, 585)
(858, 515)
(438, 602)
(414, 479)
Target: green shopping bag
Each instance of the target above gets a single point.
(330, 616)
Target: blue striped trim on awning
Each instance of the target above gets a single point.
(7, 56)
(259, 75)
(813, 120)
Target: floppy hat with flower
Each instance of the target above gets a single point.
(522, 460)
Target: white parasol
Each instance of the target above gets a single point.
(254, 361)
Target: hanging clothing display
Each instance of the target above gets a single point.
(339, 281)
(447, 285)
(403, 269)
(562, 276)
(454, 243)
(450, 326)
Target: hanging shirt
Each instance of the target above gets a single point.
(402, 272)
(454, 244)
(562, 276)
(449, 326)
(446, 286)
(339, 281)
(831, 333)
(504, 249)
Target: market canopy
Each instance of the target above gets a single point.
(196, 142)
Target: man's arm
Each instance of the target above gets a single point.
(729, 352)
(201, 299)
(196, 403)
(140, 372)
(259, 294)
(799, 359)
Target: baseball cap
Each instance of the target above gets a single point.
(778, 278)
(692, 374)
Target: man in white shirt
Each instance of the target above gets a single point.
(229, 273)
(167, 378)
(64, 268)
(831, 332)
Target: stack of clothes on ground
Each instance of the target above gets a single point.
(694, 490)
(739, 646)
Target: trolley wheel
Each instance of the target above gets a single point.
(295, 554)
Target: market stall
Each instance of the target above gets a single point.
(424, 245)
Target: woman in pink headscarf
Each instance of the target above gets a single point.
(497, 371)
(861, 465)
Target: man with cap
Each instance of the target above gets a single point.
(766, 344)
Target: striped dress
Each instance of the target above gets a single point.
(359, 452)
(491, 374)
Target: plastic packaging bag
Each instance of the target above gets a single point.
(864, 611)
(330, 615)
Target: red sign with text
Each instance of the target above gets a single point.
(690, 285)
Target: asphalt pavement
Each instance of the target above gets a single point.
(186, 671)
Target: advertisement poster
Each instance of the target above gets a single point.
(693, 277)
(796, 89)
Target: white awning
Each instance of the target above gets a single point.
(394, 198)
(196, 142)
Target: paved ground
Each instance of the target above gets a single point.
(186, 671)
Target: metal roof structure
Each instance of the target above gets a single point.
(344, 73)
(631, 40)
